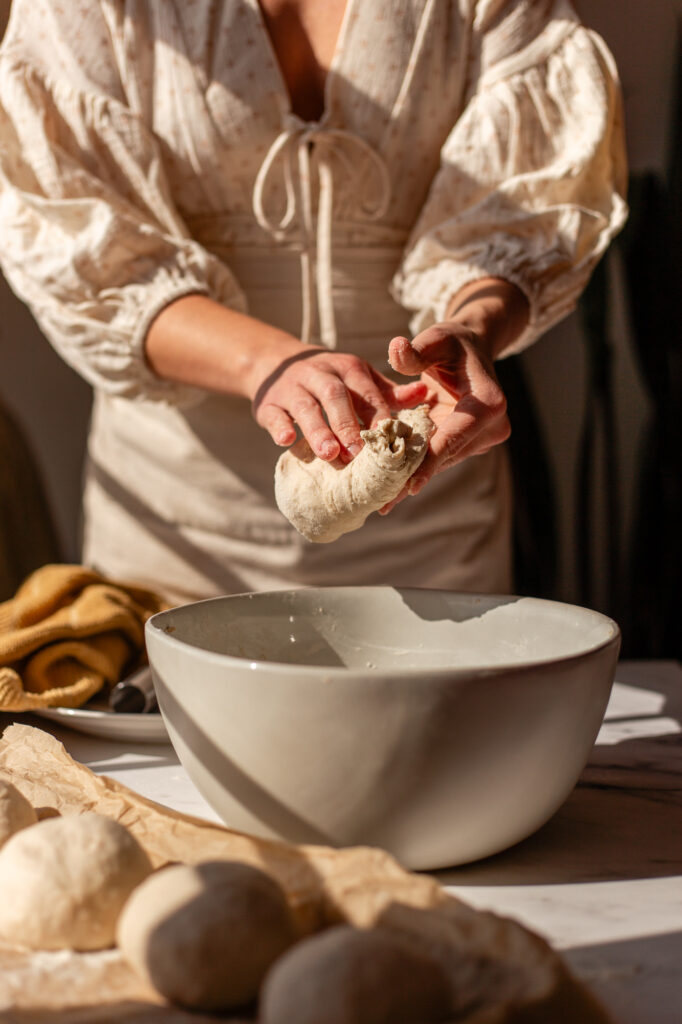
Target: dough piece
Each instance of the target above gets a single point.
(65, 880)
(350, 975)
(204, 936)
(15, 811)
(323, 500)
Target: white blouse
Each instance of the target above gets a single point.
(149, 150)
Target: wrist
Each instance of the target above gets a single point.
(494, 310)
(199, 342)
(261, 364)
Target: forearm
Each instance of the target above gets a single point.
(495, 309)
(327, 395)
(197, 341)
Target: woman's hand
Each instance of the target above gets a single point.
(331, 396)
(466, 402)
(455, 359)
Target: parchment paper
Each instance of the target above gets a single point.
(501, 973)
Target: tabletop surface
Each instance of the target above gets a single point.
(602, 881)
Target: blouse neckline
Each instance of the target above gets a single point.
(280, 84)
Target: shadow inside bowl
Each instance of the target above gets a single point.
(386, 628)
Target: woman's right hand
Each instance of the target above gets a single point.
(330, 396)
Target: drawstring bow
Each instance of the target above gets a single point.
(300, 152)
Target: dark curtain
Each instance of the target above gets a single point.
(644, 585)
(27, 534)
(652, 250)
(535, 529)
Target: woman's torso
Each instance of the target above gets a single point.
(312, 219)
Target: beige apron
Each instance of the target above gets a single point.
(183, 498)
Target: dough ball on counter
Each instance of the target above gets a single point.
(350, 975)
(15, 811)
(205, 935)
(64, 882)
(324, 500)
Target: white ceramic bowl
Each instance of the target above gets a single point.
(440, 726)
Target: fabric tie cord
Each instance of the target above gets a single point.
(305, 154)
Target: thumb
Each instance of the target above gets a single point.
(437, 346)
(404, 358)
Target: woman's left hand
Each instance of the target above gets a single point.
(466, 401)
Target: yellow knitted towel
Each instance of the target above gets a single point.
(66, 632)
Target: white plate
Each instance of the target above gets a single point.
(141, 728)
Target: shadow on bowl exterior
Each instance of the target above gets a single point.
(443, 727)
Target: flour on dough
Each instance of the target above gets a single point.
(64, 881)
(324, 500)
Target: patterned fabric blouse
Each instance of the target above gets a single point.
(482, 134)
(148, 149)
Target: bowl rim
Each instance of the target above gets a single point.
(342, 671)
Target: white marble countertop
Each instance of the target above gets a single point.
(602, 881)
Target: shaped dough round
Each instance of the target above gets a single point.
(324, 500)
(351, 975)
(65, 880)
(15, 811)
(204, 936)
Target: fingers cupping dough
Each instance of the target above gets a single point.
(403, 396)
(325, 500)
(278, 424)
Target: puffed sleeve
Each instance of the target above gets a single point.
(532, 178)
(89, 235)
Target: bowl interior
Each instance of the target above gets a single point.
(386, 628)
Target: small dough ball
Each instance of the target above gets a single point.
(65, 880)
(15, 811)
(205, 935)
(351, 975)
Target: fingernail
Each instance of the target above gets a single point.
(356, 447)
(327, 448)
